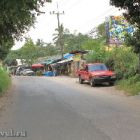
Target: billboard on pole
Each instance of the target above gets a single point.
(118, 27)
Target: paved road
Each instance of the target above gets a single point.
(61, 109)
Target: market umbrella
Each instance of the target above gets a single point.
(37, 66)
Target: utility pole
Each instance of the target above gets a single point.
(59, 28)
(107, 31)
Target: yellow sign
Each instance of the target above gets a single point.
(77, 57)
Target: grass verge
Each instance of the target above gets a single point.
(5, 82)
(131, 85)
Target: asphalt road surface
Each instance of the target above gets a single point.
(59, 108)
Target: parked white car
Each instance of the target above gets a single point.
(27, 72)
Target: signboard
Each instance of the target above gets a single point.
(118, 27)
(77, 57)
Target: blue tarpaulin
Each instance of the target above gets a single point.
(48, 73)
(68, 55)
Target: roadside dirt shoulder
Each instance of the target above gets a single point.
(5, 100)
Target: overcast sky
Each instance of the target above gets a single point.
(80, 15)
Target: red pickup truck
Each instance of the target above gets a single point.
(96, 73)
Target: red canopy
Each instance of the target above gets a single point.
(37, 66)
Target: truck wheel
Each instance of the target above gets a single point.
(92, 84)
(81, 80)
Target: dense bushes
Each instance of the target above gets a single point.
(4, 81)
(123, 61)
(130, 85)
(98, 54)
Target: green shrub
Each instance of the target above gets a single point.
(98, 54)
(130, 85)
(4, 81)
(122, 60)
(125, 62)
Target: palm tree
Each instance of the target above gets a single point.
(59, 38)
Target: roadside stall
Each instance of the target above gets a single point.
(51, 67)
(38, 69)
(78, 61)
(65, 66)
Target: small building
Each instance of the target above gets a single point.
(78, 61)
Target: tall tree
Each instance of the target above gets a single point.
(16, 17)
(45, 49)
(10, 59)
(29, 52)
(132, 8)
(101, 31)
(59, 38)
(40, 43)
(132, 14)
(75, 41)
(134, 40)
(4, 47)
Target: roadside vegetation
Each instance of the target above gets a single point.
(16, 18)
(131, 85)
(124, 60)
(121, 59)
(5, 81)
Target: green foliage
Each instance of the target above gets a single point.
(5, 45)
(132, 10)
(125, 62)
(59, 39)
(91, 43)
(10, 60)
(69, 41)
(45, 49)
(75, 41)
(130, 85)
(98, 52)
(4, 81)
(16, 17)
(134, 40)
(30, 52)
(122, 60)
(132, 14)
(101, 31)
